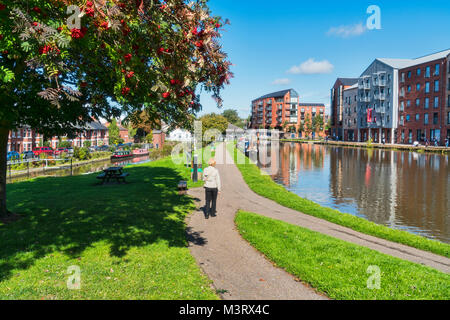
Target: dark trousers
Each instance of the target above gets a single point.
(211, 199)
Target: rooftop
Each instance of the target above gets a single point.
(406, 63)
(279, 94)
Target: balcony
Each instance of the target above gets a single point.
(380, 96)
(380, 110)
(365, 99)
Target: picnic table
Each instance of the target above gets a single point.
(114, 173)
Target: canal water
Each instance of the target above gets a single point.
(84, 169)
(402, 190)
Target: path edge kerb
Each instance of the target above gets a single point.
(295, 278)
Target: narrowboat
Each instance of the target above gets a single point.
(122, 154)
(141, 152)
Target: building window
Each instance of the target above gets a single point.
(409, 74)
(419, 71)
(436, 102)
(435, 118)
(425, 118)
(436, 86)
(418, 87)
(428, 72)
(427, 103)
(436, 69)
(417, 117)
(408, 103)
(417, 102)
(408, 118)
(409, 88)
(427, 87)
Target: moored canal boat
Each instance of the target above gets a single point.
(140, 152)
(122, 154)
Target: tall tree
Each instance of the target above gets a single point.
(110, 57)
(231, 115)
(113, 132)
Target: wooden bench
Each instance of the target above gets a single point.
(122, 177)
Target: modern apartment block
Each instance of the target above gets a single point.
(337, 105)
(306, 113)
(399, 101)
(378, 100)
(423, 94)
(350, 113)
(275, 110)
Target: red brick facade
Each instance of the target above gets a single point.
(422, 102)
(283, 111)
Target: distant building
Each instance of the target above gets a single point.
(123, 132)
(180, 135)
(307, 112)
(337, 105)
(26, 139)
(159, 138)
(275, 110)
(350, 113)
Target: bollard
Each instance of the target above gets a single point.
(195, 169)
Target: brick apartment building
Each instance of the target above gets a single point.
(282, 110)
(275, 110)
(337, 105)
(423, 102)
(26, 139)
(399, 101)
(447, 112)
(306, 113)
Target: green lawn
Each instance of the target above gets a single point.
(266, 187)
(338, 268)
(128, 240)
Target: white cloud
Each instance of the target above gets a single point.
(284, 81)
(312, 67)
(347, 31)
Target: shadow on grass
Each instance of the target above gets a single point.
(71, 214)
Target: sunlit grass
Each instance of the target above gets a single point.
(266, 187)
(338, 268)
(129, 240)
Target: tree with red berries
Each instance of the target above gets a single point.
(64, 62)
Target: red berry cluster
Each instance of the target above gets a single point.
(78, 33)
(125, 91)
(2, 6)
(48, 49)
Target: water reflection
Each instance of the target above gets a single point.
(402, 190)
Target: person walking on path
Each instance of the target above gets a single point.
(212, 186)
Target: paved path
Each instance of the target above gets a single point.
(237, 267)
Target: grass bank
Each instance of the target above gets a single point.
(266, 187)
(338, 268)
(129, 241)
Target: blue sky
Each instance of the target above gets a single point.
(318, 41)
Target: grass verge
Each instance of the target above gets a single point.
(338, 268)
(128, 240)
(266, 187)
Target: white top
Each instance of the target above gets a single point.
(212, 178)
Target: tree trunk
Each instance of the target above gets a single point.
(4, 133)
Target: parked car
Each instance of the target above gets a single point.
(103, 148)
(46, 150)
(12, 155)
(28, 155)
(61, 150)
